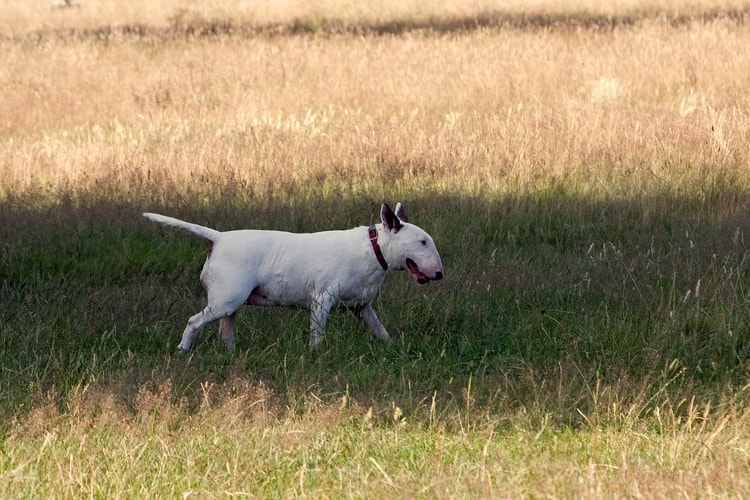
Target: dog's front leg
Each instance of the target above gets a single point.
(367, 316)
(319, 311)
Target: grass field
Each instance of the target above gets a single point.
(583, 169)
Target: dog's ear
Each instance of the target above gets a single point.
(401, 212)
(390, 221)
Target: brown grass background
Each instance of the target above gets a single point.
(485, 109)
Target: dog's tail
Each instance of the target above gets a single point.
(202, 231)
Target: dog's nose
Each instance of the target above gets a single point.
(438, 275)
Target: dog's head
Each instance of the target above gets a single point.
(409, 246)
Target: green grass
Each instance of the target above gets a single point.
(547, 284)
(565, 323)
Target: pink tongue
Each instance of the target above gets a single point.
(416, 273)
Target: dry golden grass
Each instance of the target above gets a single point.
(486, 109)
(23, 17)
(238, 442)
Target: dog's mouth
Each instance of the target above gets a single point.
(418, 275)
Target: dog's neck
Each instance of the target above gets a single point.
(373, 234)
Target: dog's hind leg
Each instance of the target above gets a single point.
(194, 324)
(367, 316)
(226, 294)
(198, 321)
(226, 330)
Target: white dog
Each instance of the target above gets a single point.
(311, 270)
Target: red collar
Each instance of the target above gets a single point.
(373, 232)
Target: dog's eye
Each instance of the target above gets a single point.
(424, 243)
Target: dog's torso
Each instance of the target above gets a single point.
(289, 269)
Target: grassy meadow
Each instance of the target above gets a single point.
(583, 169)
